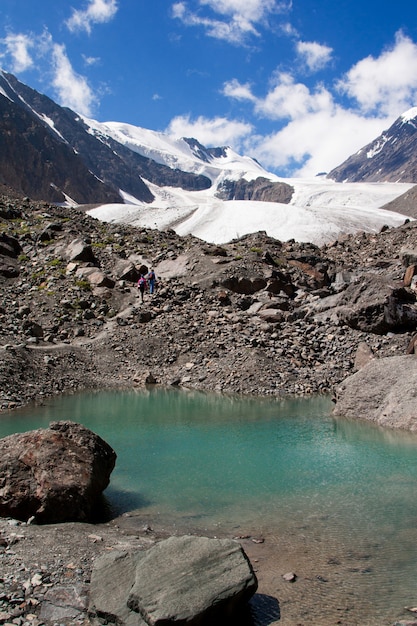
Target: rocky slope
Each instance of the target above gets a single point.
(255, 316)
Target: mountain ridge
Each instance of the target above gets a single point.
(150, 179)
(391, 157)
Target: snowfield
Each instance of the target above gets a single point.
(319, 212)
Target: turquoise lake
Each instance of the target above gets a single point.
(213, 463)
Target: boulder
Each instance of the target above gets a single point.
(375, 304)
(95, 277)
(383, 392)
(273, 316)
(182, 580)
(244, 284)
(55, 475)
(126, 270)
(79, 250)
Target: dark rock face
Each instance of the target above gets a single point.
(182, 580)
(48, 161)
(38, 164)
(260, 189)
(374, 304)
(390, 157)
(54, 475)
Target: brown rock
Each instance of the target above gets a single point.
(54, 475)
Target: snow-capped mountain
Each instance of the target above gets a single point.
(390, 157)
(147, 178)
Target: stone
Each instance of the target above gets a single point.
(95, 277)
(383, 392)
(375, 304)
(79, 250)
(192, 580)
(363, 355)
(181, 580)
(112, 578)
(244, 284)
(273, 316)
(64, 603)
(54, 475)
(409, 274)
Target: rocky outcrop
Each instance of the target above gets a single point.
(182, 580)
(383, 392)
(54, 475)
(375, 304)
(37, 162)
(9, 251)
(260, 189)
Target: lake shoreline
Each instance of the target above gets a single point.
(63, 555)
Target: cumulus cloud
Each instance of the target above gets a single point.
(238, 19)
(218, 131)
(73, 89)
(316, 142)
(17, 49)
(315, 55)
(316, 130)
(387, 83)
(97, 12)
(234, 89)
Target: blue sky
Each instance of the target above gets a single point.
(298, 84)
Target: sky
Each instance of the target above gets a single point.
(299, 85)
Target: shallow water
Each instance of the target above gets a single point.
(339, 497)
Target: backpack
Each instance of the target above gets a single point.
(141, 282)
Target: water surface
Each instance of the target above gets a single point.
(342, 493)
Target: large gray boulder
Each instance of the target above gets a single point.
(383, 392)
(56, 474)
(182, 580)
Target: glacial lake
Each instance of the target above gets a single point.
(342, 493)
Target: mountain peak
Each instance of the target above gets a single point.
(391, 157)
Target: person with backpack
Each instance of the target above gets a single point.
(152, 280)
(141, 286)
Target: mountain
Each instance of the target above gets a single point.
(390, 157)
(148, 179)
(52, 153)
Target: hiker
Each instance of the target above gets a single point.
(141, 286)
(152, 280)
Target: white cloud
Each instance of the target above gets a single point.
(287, 99)
(17, 49)
(315, 142)
(386, 84)
(315, 55)
(90, 60)
(72, 89)
(317, 131)
(218, 131)
(97, 12)
(234, 89)
(238, 18)
(249, 10)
